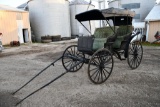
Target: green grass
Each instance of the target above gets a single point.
(150, 44)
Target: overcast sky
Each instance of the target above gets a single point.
(15, 3)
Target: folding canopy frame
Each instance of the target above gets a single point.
(119, 16)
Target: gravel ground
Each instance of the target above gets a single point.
(124, 88)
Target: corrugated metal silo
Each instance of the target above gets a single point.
(76, 7)
(49, 17)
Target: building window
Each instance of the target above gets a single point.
(131, 6)
(137, 16)
(19, 16)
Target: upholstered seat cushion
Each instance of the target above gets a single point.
(101, 35)
(104, 32)
(98, 43)
(122, 32)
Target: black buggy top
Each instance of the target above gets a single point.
(111, 13)
(122, 21)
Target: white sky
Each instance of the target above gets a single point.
(15, 3)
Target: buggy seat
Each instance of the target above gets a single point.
(101, 35)
(123, 32)
(95, 42)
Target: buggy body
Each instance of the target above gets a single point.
(98, 49)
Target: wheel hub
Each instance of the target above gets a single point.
(135, 53)
(101, 66)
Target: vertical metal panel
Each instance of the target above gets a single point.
(153, 28)
(49, 17)
(144, 6)
(20, 31)
(8, 26)
(76, 27)
(26, 23)
(114, 4)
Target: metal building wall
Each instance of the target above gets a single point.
(143, 10)
(76, 27)
(154, 26)
(115, 4)
(9, 28)
(49, 17)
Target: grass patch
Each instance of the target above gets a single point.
(150, 44)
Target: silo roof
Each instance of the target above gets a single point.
(79, 2)
(8, 8)
(154, 14)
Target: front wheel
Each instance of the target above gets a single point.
(72, 59)
(135, 54)
(100, 66)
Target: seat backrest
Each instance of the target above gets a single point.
(123, 30)
(104, 32)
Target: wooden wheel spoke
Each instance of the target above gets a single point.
(98, 57)
(93, 69)
(71, 66)
(108, 63)
(67, 61)
(72, 51)
(68, 64)
(106, 71)
(96, 62)
(69, 52)
(108, 67)
(138, 59)
(96, 74)
(99, 76)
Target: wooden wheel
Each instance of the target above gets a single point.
(72, 59)
(100, 66)
(135, 54)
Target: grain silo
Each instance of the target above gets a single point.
(49, 17)
(76, 7)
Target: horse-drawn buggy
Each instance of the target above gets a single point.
(105, 43)
(98, 49)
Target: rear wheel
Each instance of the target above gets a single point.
(72, 59)
(135, 54)
(100, 66)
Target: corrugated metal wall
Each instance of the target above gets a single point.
(76, 27)
(26, 23)
(8, 25)
(153, 28)
(141, 7)
(50, 17)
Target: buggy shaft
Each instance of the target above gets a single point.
(47, 83)
(41, 88)
(37, 75)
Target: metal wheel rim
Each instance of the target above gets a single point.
(68, 62)
(98, 73)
